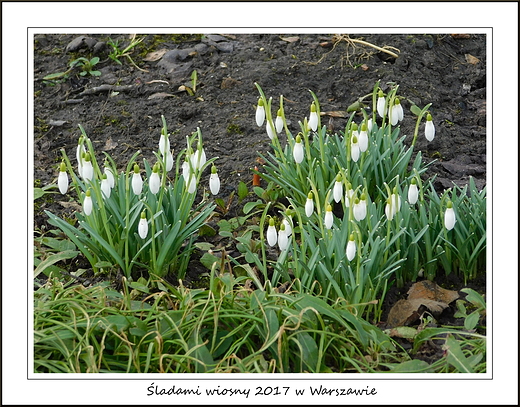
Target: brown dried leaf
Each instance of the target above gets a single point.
(338, 113)
(110, 145)
(470, 59)
(290, 39)
(429, 290)
(402, 313)
(155, 55)
(461, 35)
(160, 95)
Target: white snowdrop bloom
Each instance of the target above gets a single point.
(351, 248)
(88, 170)
(155, 181)
(63, 179)
(279, 122)
(185, 171)
(313, 118)
(337, 192)
(271, 233)
(80, 150)
(288, 227)
(110, 177)
(349, 194)
(398, 109)
(309, 205)
(137, 181)
(393, 204)
(449, 216)
(393, 116)
(87, 203)
(105, 187)
(192, 183)
(198, 159)
(354, 149)
(260, 113)
(214, 181)
(329, 217)
(429, 128)
(363, 138)
(164, 144)
(370, 124)
(360, 208)
(283, 238)
(388, 209)
(298, 153)
(413, 192)
(381, 104)
(142, 228)
(169, 161)
(269, 129)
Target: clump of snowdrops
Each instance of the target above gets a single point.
(138, 218)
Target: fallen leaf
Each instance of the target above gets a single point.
(155, 55)
(110, 145)
(290, 39)
(461, 35)
(429, 290)
(160, 95)
(364, 67)
(402, 313)
(339, 113)
(470, 59)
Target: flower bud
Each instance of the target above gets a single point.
(137, 181)
(363, 138)
(283, 238)
(260, 113)
(329, 217)
(155, 181)
(309, 205)
(449, 216)
(298, 150)
(279, 121)
(413, 192)
(142, 228)
(351, 248)
(429, 128)
(269, 129)
(214, 181)
(164, 144)
(349, 194)
(338, 189)
(110, 176)
(354, 149)
(63, 179)
(88, 170)
(313, 118)
(105, 187)
(87, 203)
(271, 233)
(381, 103)
(360, 208)
(169, 161)
(288, 227)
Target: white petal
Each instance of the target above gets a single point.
(283, 240)
(143, 228)
(298, 152)
(400, 112)
(269, 130)
(88, 170)
(388, 212)
(154, 183)
(363, 141)
(110, 177)
(137, 183)
(271, 235)
(393, 116)
(313, 121)
(278, 124)
(413, 194)
(192, 184)
(169, 161)
(354, 152)
(105, 188)
(87, 205)
(164, 144)
(63, 182)
(338, 191)
(351, 249)
(449, 218)
(198, 159)
(329, 219)
(288, 227)
(429, 130)
(260, 115)
(309, 207)
(214, 184)
(360, 210)
(381, 106)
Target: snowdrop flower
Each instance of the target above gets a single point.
(354, 148)
(198, 158)
(287, 225)
(449, 216)
(279, 121)
(105, 187)
(349, 194)
(329, 217)
(398, 109)
(137, 181)
(360, 208)
(381, 103)
(164, 144)
(260, 113)
(298, 150)
(87, 203)
(190, 180)
(110, 176)
(337, 192)
(214, 181)
(363, 138)
(429, 128)
(351, 248)
(169, 161)
(155, 181)
(370, 124)
(271, 233)
(87, 170)
(313, 118)
(63, 179)
(309, 205)
(283, 238)
(269, 129)
(142, 228)
(80, 150)
(413, 192)
(393, 204)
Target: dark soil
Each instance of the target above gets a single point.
(121, 109)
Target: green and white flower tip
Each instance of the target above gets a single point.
(88, 170)
(298, 150)
(354, 149)
(360, 208)
(313, 118)
(329, 217)
(214, 181)
(260, 113)
(155, 181)
(105, 187)
(396, 112)
(110, 176)
(363, 138)
(279, 121)
(164, 143)
(271, 233)
(413, 192)
(381, 103)
(137, 181)
(429, 128)
(63, 179)
(351, 248)
(449, 216)
(283, 238)
(337, 192)
(87, 203)
(309, 205)
(142, 228)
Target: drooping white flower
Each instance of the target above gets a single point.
(271, 233)
(329, 217)
(351, 248)
(80, 150)
(393, 116)
(349, 194)
(393, 204)
(137, 181)
(169, 161)
(63, 179)
(449, 216)
(354, 149)
(337, 192)
(105, 187)
(198, 158)
(381, 104)
(88, 170)
(288, 227)
(363, 138)
(164, 144)
(87, 203)
(110, 177)
(309, 205)
(399, 109)
(429, 128)
(369, 124)
(360, 208)
(269, 129)
(298, 153)
(283, 238)
(142, 228)
(313, 118)
(260, 113)
(279, 121)
(413, 192)
(155, 181)
(214, 181)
